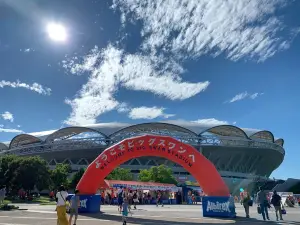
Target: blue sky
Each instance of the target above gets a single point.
(221, 62)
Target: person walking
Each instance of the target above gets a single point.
(159, 199)
(263, 203)
(135, 199)
(125, 210)
(246, 199)
(61, 206)
(276, 202)
(121, 195)
(74, 205)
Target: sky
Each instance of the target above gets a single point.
(201, 61)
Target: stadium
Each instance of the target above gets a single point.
(240, 155)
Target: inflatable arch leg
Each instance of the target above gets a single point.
(161, 146)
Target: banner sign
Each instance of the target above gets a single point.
(159, 146)
(88, 203)
(218, 207)
(148, 187)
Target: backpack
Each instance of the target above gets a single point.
(120, 195)
(134, 196)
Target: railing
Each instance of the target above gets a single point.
(100, 142)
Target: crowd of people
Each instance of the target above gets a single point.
(264, 203)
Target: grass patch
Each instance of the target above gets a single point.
(42, 200)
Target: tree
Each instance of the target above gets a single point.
(161, 174)
(59, 176)
(5, 176)
(120, 174)
(28, 173)
(191, 183)
(76, 178)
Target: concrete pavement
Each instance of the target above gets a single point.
(175, 214)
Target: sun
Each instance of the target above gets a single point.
(57, 32)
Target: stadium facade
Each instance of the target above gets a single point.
(240, 155)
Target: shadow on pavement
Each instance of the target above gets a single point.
(202, 221)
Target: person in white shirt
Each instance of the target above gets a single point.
(61, 209)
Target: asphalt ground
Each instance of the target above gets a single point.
(175, 214)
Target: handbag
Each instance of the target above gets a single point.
(283, 211)
(258, 210)
(250, 202)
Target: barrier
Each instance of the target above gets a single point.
(218, 207)
(88, 203)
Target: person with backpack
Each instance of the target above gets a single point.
(74, 205)
(61, 206)
(246, 200)
(120, 199)
(135, 199)
(276, 202)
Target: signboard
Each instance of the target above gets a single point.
(159, 146)
(88, 203)
(148, 187)
(218, 207)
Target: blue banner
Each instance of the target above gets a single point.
(218, 207)
(88, 203)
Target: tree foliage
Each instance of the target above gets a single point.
(120, 174)
(24, 172)
(59, 176)
(192, 183)
(5, 174)
(76, 178)
(161, 174)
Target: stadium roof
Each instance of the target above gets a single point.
(112, 130)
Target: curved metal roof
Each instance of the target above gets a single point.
(163, 128)
(227, 130)
(263, 135)
(279, 141)
(111, 130)
(3, 146)
(68, 132)
(23, 139)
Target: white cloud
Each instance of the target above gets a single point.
(123, 107)
(192, 28)
(210, 122)
(27, 50)
(18, 126)
(8, 116)
(114, 69)
(244, 95)
(33, 87)
(239, 97)
(8, 130)
(148, 113)
(255, 95)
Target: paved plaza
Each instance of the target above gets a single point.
(175, 214)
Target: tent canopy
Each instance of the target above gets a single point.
(135, 185)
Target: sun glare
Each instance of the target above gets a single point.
(57, 32)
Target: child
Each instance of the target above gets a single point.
(74, 204)
(125, 211)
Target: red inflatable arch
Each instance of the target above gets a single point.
(150, 145)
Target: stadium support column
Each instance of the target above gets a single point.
(200, 150)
